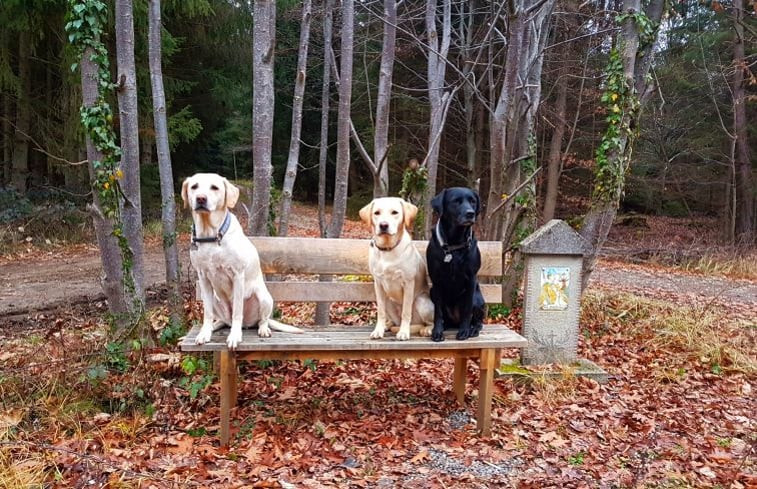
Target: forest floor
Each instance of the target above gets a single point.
(678, 341)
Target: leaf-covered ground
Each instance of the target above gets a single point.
(678, 410)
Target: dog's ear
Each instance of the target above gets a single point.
(232, 194)
(410, 211)
(365, 213)
(437, 203)
(185, 192)
(478, 202)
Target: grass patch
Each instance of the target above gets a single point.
(698, 332)
(736, 264)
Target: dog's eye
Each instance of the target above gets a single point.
(195, 186)
(395, 212)
(213, 187)
(376, 213)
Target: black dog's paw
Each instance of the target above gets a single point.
(437, 334)
(475, 330)
(463, 334)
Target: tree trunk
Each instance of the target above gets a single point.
(7, 138)
(129, 120)
(322, 308)
(554, 160)
(110, 253)
(744, 186)
(20, 169)
(294, 141)
(383, 101)
(263, 94)
(437, 66)
(499, 158)
(607, 195)
(323, 152)
(341, 180)
(469, 102)
(168, 217)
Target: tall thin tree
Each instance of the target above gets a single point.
(341, 179)
(322, 308)
(745, 197)
(437, 67)
(293, 160)
(129, 124)
(20, 169)
(263, 94)
(168, 217)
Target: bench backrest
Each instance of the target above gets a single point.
(345, 257)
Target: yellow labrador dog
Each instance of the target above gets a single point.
(398, 269)
(228, 266)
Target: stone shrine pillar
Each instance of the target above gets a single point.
(552, 293)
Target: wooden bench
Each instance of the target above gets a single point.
(314, 256)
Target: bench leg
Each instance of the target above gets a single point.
(228, 377)
(485, 388)
(461, 367)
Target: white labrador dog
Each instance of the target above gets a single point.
(228, 266)
(398, 269)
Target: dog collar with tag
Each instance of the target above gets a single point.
(447, 249)
(214, 239)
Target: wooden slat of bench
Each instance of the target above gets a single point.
(351, 338)
(344, 256)
(347, 292)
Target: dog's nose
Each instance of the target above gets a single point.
(384, 226)
(470, 214)
(201, 200)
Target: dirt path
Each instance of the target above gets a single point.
(33, 285)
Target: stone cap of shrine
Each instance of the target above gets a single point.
(554, 238)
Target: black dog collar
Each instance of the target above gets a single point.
(216, 239)
(446, 248)
(374, 245)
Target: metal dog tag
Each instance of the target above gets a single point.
(448, 258)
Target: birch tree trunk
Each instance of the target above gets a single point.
(263, 94)
(607, 194)
(745, 218)
(383, 101)
(129, 120)
(20, 167)
(110, 254)
(437, 65)
(168, 217)
(323, 152)
(294, 141)
(469, 102)
(499, 158)
(341, 180)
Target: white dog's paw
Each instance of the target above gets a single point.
(425, 331)
(264, 331)
(377, 333)
(204, 335)
(234, 338)
(403, 334)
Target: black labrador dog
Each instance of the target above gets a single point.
(453, 261)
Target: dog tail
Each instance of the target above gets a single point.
(277, 326)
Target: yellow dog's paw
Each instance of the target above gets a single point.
(377, 333)
(426, 331)
(234, 338)
(204, 335)
(264, 331)
(403, 334)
